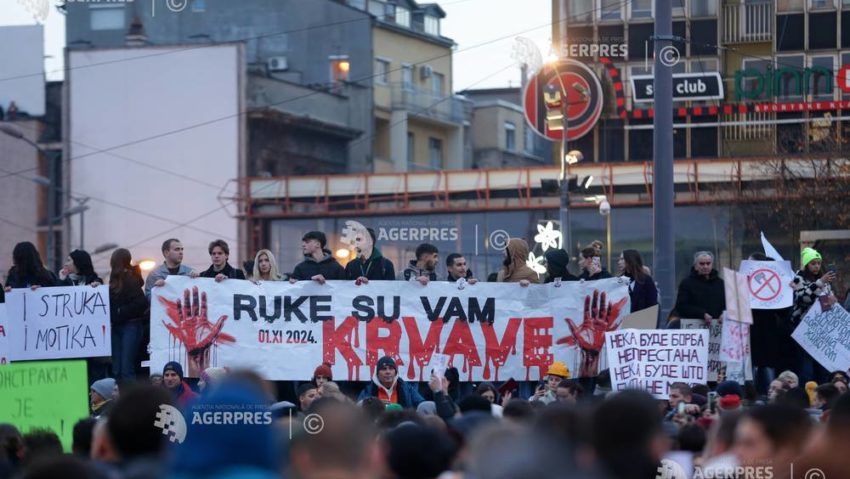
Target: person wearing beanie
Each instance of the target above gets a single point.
(548, 392)
(729, 402)
(322, 374)
(389, 388)
(557, 261)
(100, 397)
(172, 379)
(809, 285)
(78, 270)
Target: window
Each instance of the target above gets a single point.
(437, 81)
(402, 16)
(789, 72)
(704, 65)
(580, 11)
(340, 68)
(432, 25)
(789, 5)
(435, 149)
(407, 77)
(382, 71)
(411, 149)
(678, 8)
(845, 60)
(823, 34)
(821, 4)
(820, 77)
(704, 37)
(610, 10)
(510, 136)
(703, 8)
(529, 138)
(792, 28)
(845, 3)
(199, 6)
(106, 17)
(641, 8)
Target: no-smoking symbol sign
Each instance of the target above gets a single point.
(765, 284)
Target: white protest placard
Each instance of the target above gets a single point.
(769, 283)
(59, 323)
(715, 329)
(737, 296)
(735, 341)
(4, 335)
(488, 331)
(652, 360)
(826, 336)
(439, 364)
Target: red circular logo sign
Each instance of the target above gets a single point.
(570, 81)
(765, 284)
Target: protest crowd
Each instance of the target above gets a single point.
(794, 415)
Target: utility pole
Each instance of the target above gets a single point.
(564, 211)
(664, 249)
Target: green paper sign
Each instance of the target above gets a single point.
(44, 394)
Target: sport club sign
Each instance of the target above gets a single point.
(489, 331)
(755, 84)
(570, 82)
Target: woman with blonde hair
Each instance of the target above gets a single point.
(265, 267)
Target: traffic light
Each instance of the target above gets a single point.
(553, 100)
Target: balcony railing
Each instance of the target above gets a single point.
(748, 22)
(452, 109)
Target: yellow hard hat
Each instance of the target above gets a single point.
(558, 368)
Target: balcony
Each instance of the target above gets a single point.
(425, 104)
(748, 22)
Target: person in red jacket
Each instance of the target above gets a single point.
(172, 379)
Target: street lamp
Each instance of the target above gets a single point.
(605, 211)
(15, 132)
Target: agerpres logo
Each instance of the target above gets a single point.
(354, 233)
(172, 423)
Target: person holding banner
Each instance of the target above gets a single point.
(514, 267)
(220, 269)
(557, 261)
(702, 294)
(370, 263)
(265, 267)
(28, 270)
(591, 264)
(810, 284)
(319, 264)
(424, 267)
(78, 270)
(172, 250)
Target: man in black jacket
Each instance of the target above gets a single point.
(221, 269)
(702, 294)
(369, 264)
(458, 268)
(318, 265)
(423, 268)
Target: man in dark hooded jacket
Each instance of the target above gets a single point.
(370, 264)
(557, 261)
(318, 265)
(389, 388)
(702, 294)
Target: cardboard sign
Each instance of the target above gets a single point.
(59, 323)
(737, 296)
(45, 394)
(769, 283)
(652, 360)
(826, 336)
(643, 319)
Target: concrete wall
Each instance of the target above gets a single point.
(170, 124)
(21, 200)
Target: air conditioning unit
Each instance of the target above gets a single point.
(425, 71)
(278, 64)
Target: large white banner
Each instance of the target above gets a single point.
(652, 360)
(57, 323)
(769, 283)
(490, 331)
(826, 336)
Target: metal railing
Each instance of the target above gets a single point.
(748, 22)
(453, 109)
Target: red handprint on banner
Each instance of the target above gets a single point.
(599, 317)
(192, 328)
